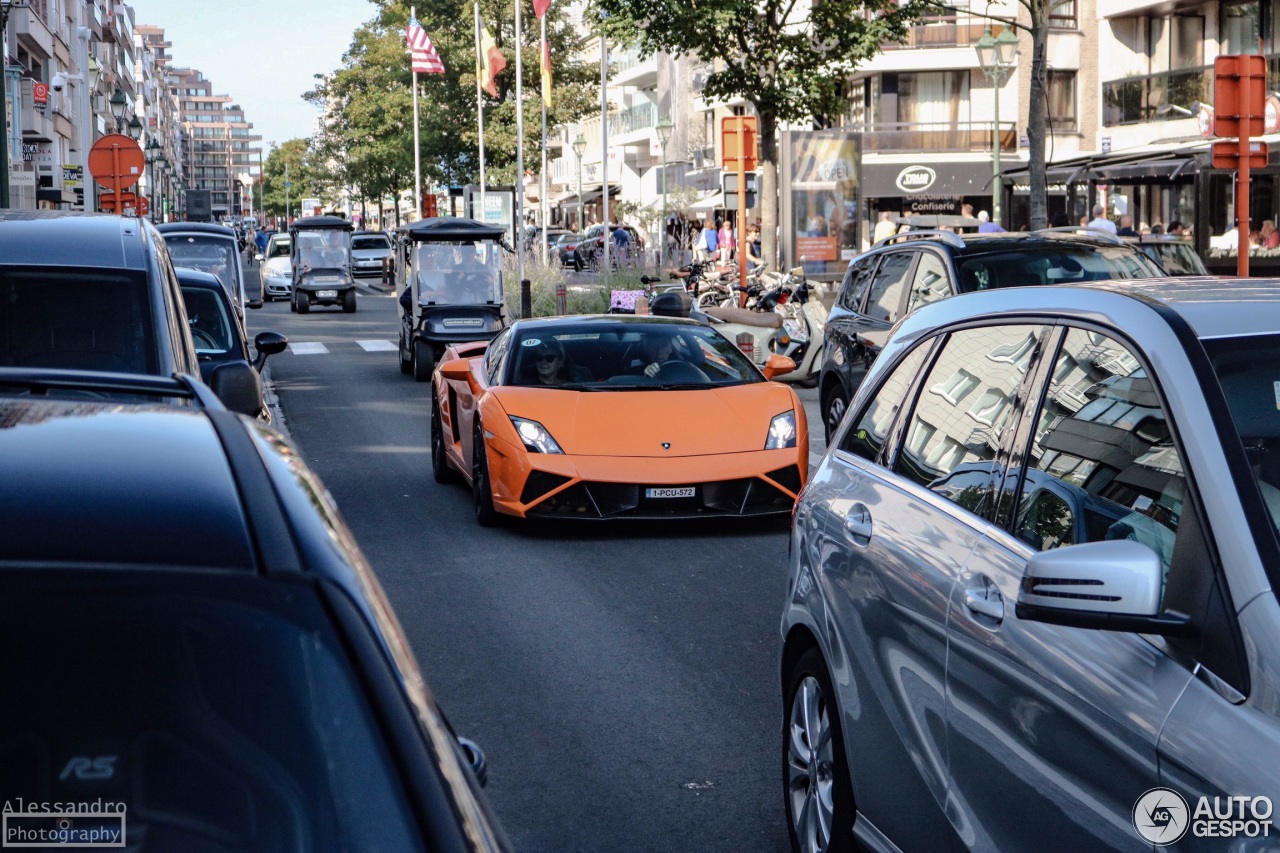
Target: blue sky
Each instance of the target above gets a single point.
(263, 53)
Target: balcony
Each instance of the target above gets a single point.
(905, 137)
(627, 68)
(944, 31)
(639, 117)
(1134, 100)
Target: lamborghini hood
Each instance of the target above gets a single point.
(642, 423)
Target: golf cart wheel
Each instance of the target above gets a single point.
(304, 304)
(424, 361)
(349, 302)
(406, 364)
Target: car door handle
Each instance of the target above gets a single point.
(857, 524)
(983, 597)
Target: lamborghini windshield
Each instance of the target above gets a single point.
(458, 273)
(618, 356)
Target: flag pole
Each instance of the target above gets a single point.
(604, 149)
(480, 110)
(520, 241)
(542, 193)
(417, 149)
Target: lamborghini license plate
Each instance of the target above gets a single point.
(673, 492)
(326, 294)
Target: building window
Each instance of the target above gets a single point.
(1062, 16)
(1062, 101)
(1239, 27)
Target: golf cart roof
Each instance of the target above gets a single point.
(451, 230)
(317, 222)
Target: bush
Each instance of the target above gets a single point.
(545, 278)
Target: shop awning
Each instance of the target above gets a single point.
(1112, 167)
(711, 201)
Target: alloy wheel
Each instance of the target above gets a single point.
(810, 767)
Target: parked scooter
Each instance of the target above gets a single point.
(804, 319)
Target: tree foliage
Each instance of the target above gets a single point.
(789, 59)
(366, 140)
(303, 179)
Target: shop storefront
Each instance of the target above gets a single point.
(916, 188)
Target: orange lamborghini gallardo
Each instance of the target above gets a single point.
(616, 416)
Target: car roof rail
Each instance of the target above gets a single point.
(1081, 231)
(41, 380)
(949, 237)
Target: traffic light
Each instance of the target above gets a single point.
(429, 205)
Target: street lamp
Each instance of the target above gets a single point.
(117, 101)
(135, 128)
(580, 148)
(154, 156)
(997, 57)
(6, 6)
(663, 129)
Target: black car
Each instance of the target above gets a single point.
(904, 272)
(203, 650)
(99, 292)
(217, 332)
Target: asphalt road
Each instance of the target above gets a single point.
(621, 679)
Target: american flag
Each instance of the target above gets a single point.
(425, 58)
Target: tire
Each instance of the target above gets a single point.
(833, 409)
(302, 302)
(481, 490)
(406, 364)
(816, 791)
(424, 361)
(349, 302)
(439, 461)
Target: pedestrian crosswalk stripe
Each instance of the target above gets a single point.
(378, 346)
(308, 348)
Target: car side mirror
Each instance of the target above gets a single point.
(238, 386)
(475, 759)
(253, 303)
(777, 365)
(268, 343)
(1113, 585)
(458, 370)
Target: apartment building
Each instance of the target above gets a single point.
(219, 140)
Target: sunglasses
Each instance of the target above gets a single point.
(547, 357)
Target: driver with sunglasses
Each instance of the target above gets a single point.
(553, 368)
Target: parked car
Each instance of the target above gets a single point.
(369, 251)
(253, 690)
(217, 332)
(1011, 659)
(614, 416)
(97, 292)
(1176, 255)
(897, 276)
(588, 251)
(210, 248)
(566, 247)
(551, 234)
(277, 269)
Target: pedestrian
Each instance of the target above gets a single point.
(1100, 221)
(884, 228)
(704, 248)
(621, 243)
(1126, 227)
(966, 210)
(1175, 229)
(1157, 230)
(1270, 236)
(986, 226)
(261, 241)
(725, 239)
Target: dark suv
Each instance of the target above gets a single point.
(251, 689)
(99, 292)
(904, 272)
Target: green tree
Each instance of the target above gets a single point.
(302, 178)
(788, 59)
(367, 134)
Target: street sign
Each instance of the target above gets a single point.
(729, 187)
(132, 203)
(116, 161)
(738, 141)
(1233, 115)
(1226, 155)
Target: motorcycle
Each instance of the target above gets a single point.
(804, 320)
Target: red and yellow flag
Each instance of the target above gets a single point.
(546, 73)
(491, 62)
(540, 7)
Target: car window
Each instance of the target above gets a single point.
(964, 406)
(212, 329)
(374, 241)
(930, 282)
(493, 356)
(875, 422)
(1104, 449)
(886, 287)
(1061, 263)
(235, 713)
(856, 279)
